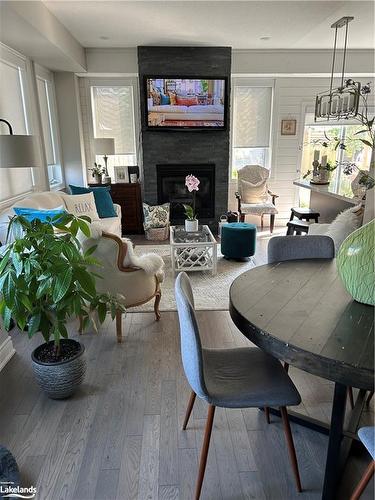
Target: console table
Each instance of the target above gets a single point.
(128, 196)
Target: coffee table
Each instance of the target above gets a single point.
(193, 251)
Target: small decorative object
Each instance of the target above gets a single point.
(97, 172)
(46, 279)
(223, 220)
(191, 222)
(355, 264)
(105, 146)
(321, 171)
(121, 174)
(133, 173)
(288, 127)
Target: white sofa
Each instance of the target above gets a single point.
(51, 200)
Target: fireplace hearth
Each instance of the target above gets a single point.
(171, 189)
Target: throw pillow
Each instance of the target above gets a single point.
(81, 204)
(345, 223)
(35, 213)
(173, 98)
(103, 200)
(253, 193)
(164, 99)
(187, 101)
(155, 216)
(155, 97)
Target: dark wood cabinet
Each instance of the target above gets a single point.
(128, 196)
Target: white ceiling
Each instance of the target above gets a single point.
(239, 24)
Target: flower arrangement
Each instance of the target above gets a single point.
(192, 184)
(97, 171)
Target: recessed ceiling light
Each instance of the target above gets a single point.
(265, 38)
(104, 37)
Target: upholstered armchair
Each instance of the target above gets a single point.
(137, 285)
(253, 194)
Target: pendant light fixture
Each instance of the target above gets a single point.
(343, 101)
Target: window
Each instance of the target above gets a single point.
(13, 108)
(49, 127)
(251, 127)
(113, 117)
(355, 152)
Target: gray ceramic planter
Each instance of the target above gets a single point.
(60, 380)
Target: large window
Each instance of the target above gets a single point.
(315, 135)
(251, 127)
(49, 126)
(113, 117)
(13, 108)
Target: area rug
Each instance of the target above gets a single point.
(210, 292)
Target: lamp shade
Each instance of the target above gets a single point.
(18, 151)
(104, 146)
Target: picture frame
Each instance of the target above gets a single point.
(289, 127)
(121, 174)
(133, 174)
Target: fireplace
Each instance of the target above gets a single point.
(171, 189)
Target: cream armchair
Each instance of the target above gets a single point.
(253, 194)
(135, 284)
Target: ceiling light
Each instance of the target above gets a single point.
(265, 38)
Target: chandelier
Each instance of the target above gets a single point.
(343, 101)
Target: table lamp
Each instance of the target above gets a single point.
(105, 146)
(18, 151)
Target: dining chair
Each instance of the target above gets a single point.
(243, 377)
(366, 435)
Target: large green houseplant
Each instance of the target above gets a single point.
(44, 282)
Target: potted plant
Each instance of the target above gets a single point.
(321, 172)
(191, 222)
(97, 172)
(44, 282)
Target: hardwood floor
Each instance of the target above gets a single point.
(120, 436)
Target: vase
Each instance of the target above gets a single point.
(98, 178)
(191, 225)
(355, 264)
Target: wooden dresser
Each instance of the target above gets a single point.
(128, 196)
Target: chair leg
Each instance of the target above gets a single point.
(204, 452)
(369, 472)
(368, 401)
(351, 397)
(189, 409)
(286, 367)
(119, 326)
(156, 305)
(267, 413)
(291, 449)
(272, 222)
(80, 328)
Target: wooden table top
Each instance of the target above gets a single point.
(300, 312)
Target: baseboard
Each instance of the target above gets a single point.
(6, 352)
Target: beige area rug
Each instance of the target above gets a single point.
(210, 292)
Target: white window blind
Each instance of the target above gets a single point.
(113, 116)
(46, 120)
(14, 181)
(252, 117)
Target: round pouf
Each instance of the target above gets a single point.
(238, 240)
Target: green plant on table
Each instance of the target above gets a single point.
(328, 167)
(45, 278)
(97, 170)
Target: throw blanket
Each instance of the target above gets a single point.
(149, 262)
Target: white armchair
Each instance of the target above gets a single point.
(253, 194)
(135, 284)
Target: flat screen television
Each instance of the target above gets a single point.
(186, 103)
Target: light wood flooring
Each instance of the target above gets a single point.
(120, 436)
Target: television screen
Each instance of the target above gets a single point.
(186, 103)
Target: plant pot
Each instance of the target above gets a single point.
(355, 264)
(59, 380)
(191, 225)
(98, 178)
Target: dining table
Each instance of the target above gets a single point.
(299, 312)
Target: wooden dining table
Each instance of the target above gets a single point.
(299, 312)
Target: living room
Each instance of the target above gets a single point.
(187, 209)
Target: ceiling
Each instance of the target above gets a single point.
(239, 24)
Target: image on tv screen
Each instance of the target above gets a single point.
(185, 103)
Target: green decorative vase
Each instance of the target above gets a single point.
(355, 264)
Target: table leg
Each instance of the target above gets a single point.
(334, 444)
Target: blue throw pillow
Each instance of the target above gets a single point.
(103, 200)
(42, 214)
(164, 99)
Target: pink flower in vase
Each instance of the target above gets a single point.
(192, 183)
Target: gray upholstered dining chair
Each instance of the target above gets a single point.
(243, 377)
(367, 436)
(281, 248)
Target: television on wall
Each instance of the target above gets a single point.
(186, 103)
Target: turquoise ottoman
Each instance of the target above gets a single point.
(238, 240)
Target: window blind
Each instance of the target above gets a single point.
(46, 120)
(252, 117)
(14, 181)
(113, 116)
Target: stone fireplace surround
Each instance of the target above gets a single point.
(186, 147)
